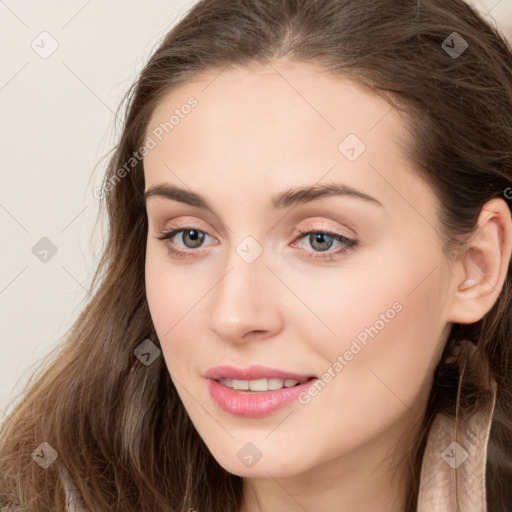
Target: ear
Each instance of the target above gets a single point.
(479, 274)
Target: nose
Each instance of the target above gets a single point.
(245, 301)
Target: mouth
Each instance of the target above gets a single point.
(258, 397)
(261, 385)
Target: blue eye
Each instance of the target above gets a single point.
(316, 238)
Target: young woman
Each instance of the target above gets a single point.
(305, 300)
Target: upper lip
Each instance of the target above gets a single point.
(253, 373)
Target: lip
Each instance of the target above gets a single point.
(254, 372)
(255, 405)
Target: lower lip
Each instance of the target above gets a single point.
(254, 405)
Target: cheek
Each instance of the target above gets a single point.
(164, 296)
(169, 288)
(158, 293)
(385, 313)
(176, 299)
(389, 336)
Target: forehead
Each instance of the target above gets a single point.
(269, 127)
(285, 92)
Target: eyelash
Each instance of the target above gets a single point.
(327, 255)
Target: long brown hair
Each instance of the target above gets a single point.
(117, 425)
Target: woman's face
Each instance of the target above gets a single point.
(366, 319)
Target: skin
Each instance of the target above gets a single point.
(257, 131)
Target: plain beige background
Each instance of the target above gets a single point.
(65, 67)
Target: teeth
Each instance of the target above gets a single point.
(259, 384)
(240, 384)
(275, 383)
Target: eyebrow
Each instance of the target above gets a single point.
(290, 197)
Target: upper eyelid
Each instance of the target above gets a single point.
(310, 223)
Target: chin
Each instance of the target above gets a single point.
(247, 461)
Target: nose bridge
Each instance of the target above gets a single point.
(241, 298)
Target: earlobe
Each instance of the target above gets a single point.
(482, 269)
